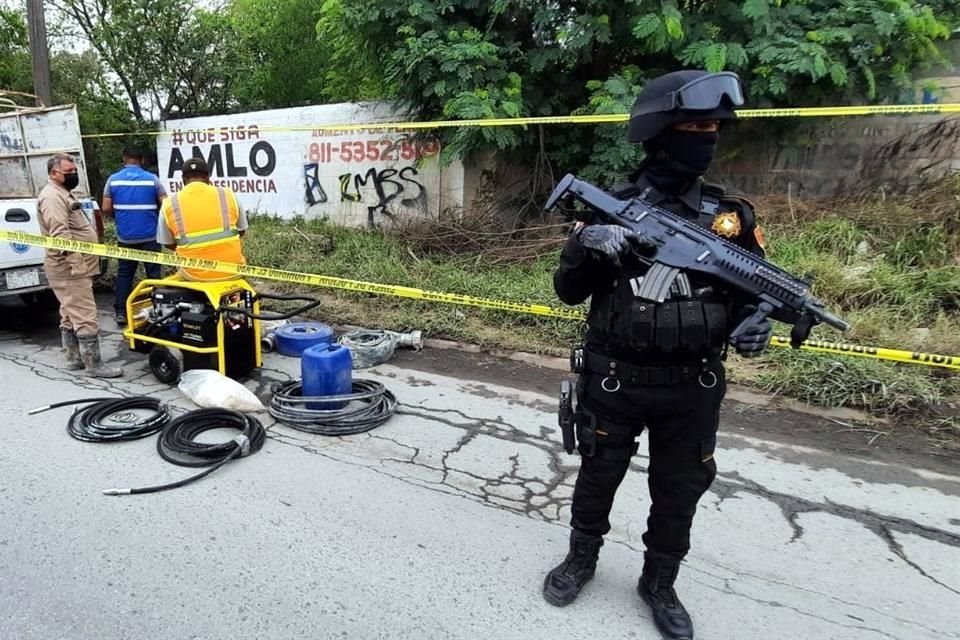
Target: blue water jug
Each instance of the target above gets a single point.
(326, 370)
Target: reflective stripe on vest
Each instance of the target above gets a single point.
(135, 207)
(204, 237)
(133, 192)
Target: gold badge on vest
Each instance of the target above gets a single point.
(726, 225)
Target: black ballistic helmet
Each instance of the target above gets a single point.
(683, 96)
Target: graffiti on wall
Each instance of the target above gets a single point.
(388, 182)
(385, 186)
(286, 162)
(371, 150)
(313, 189)
(10, 144)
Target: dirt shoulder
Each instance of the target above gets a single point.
(745, 413)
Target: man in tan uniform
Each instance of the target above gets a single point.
(71, 274)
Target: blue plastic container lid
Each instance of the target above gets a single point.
(324, 351)
(292, 339)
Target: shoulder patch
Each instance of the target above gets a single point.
(744, 208)
(758, 236)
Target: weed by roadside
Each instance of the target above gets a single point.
(891, 268)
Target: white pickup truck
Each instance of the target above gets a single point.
(28, 138)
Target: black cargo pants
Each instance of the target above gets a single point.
(681, 421)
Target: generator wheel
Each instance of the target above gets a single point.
(165, 365)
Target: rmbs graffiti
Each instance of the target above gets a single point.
(386, 189)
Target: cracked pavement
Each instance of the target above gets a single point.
(439, 524)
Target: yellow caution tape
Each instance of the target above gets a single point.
(878, 353)
(281, 275)
(613, 118)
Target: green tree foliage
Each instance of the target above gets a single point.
(350, 71)
(503, 58)
(15, 73)
(169, 57)
(173, 58)
(78, 79)
(284, 62)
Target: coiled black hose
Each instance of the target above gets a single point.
(377, 403)
(113, 419)
(176, 444)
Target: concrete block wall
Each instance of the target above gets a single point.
(298, 162)
(891, 152)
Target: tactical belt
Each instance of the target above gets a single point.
(639, 375)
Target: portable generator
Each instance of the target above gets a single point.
(186, 325)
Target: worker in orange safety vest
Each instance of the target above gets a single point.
(203, 221)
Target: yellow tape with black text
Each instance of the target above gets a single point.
(612, 118)
(110, 251)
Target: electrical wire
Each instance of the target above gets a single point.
(278, 315)
(376, 405)
(177, 444)
(113, 419)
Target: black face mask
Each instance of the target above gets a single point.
(691, 152)
(677, 158)
(70, 181)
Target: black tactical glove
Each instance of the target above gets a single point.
(610, 240)
(754, 340)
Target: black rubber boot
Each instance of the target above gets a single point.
(563, 584)
(656, 589)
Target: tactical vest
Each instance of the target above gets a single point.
(691, 323)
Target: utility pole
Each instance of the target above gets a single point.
(39, 53)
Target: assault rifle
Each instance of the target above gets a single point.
(680, 245)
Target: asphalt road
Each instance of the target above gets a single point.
(439, 524)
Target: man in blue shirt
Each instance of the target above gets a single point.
(133, 196)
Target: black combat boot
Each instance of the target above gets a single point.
(656, 589)
(564, 582)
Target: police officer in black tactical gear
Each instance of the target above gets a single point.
(655, 366)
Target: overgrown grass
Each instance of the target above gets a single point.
(879, 387)
(891, 268)
(317, 247)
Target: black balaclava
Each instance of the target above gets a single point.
(677, 158)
